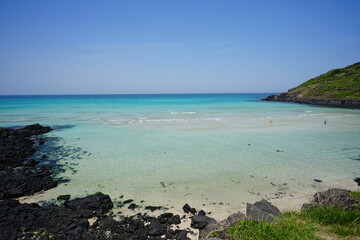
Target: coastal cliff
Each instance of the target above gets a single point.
(336, 88)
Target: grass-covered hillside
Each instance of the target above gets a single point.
(338, 88)
(336, 83)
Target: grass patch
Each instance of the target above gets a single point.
(355, 195)
(343, 222)
(286, 227)
(309, 223)
(342, 83)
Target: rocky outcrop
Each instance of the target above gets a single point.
(262, 211)
(139, 226)
(330, 102)
(337, 88)
(15, 183)
(18, 177)
(31, 221)
(90, 206)
(24, 220)
(220, 228)
(16, 145)
(357, 180)
(334, 197)
(200, 222)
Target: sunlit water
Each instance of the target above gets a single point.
(203, 149)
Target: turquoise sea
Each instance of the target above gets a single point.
(221, 150)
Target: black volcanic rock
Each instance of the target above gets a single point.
(330, 102)
(187, 209)
(90, 206)
(357, 180)
(16, 145)
(200, 222)
(16, 184)
(17, 218)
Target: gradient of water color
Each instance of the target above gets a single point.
(197, 148)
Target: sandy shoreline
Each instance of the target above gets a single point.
(287, 203)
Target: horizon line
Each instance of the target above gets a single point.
(87, 94)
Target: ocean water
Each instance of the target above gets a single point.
(221, 150)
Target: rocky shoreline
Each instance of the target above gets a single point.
(329, 102)
(67, 218)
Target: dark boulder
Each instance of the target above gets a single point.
(153, 208)
(63, 197)
(90, 206)
(132, 206)
(200, 222)
(221, 228)
(187, 209)
(202, 213)
(169, 218)
(357, 180)
(337, 197)
(156, 229)
(108, 224)
(181, 235)
(262, 210)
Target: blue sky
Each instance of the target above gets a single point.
(187, 46)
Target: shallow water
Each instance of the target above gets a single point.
(216, 149)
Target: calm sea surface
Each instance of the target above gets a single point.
(196, 148)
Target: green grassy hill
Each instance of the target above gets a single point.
(337, 83)
(337, 88)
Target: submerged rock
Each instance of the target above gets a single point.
(262, 210)
(153, 208)
(63, 197)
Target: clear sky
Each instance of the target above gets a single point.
(168, 46)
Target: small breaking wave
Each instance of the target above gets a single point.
(182, 113)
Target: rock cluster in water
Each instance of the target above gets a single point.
(342, 103)
(18, 176)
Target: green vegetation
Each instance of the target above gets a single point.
(340, 221)
(342, 83)
(63, 197)
(355, 195)
(320, 222)
(285, 227)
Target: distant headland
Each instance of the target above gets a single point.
(337, 88)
